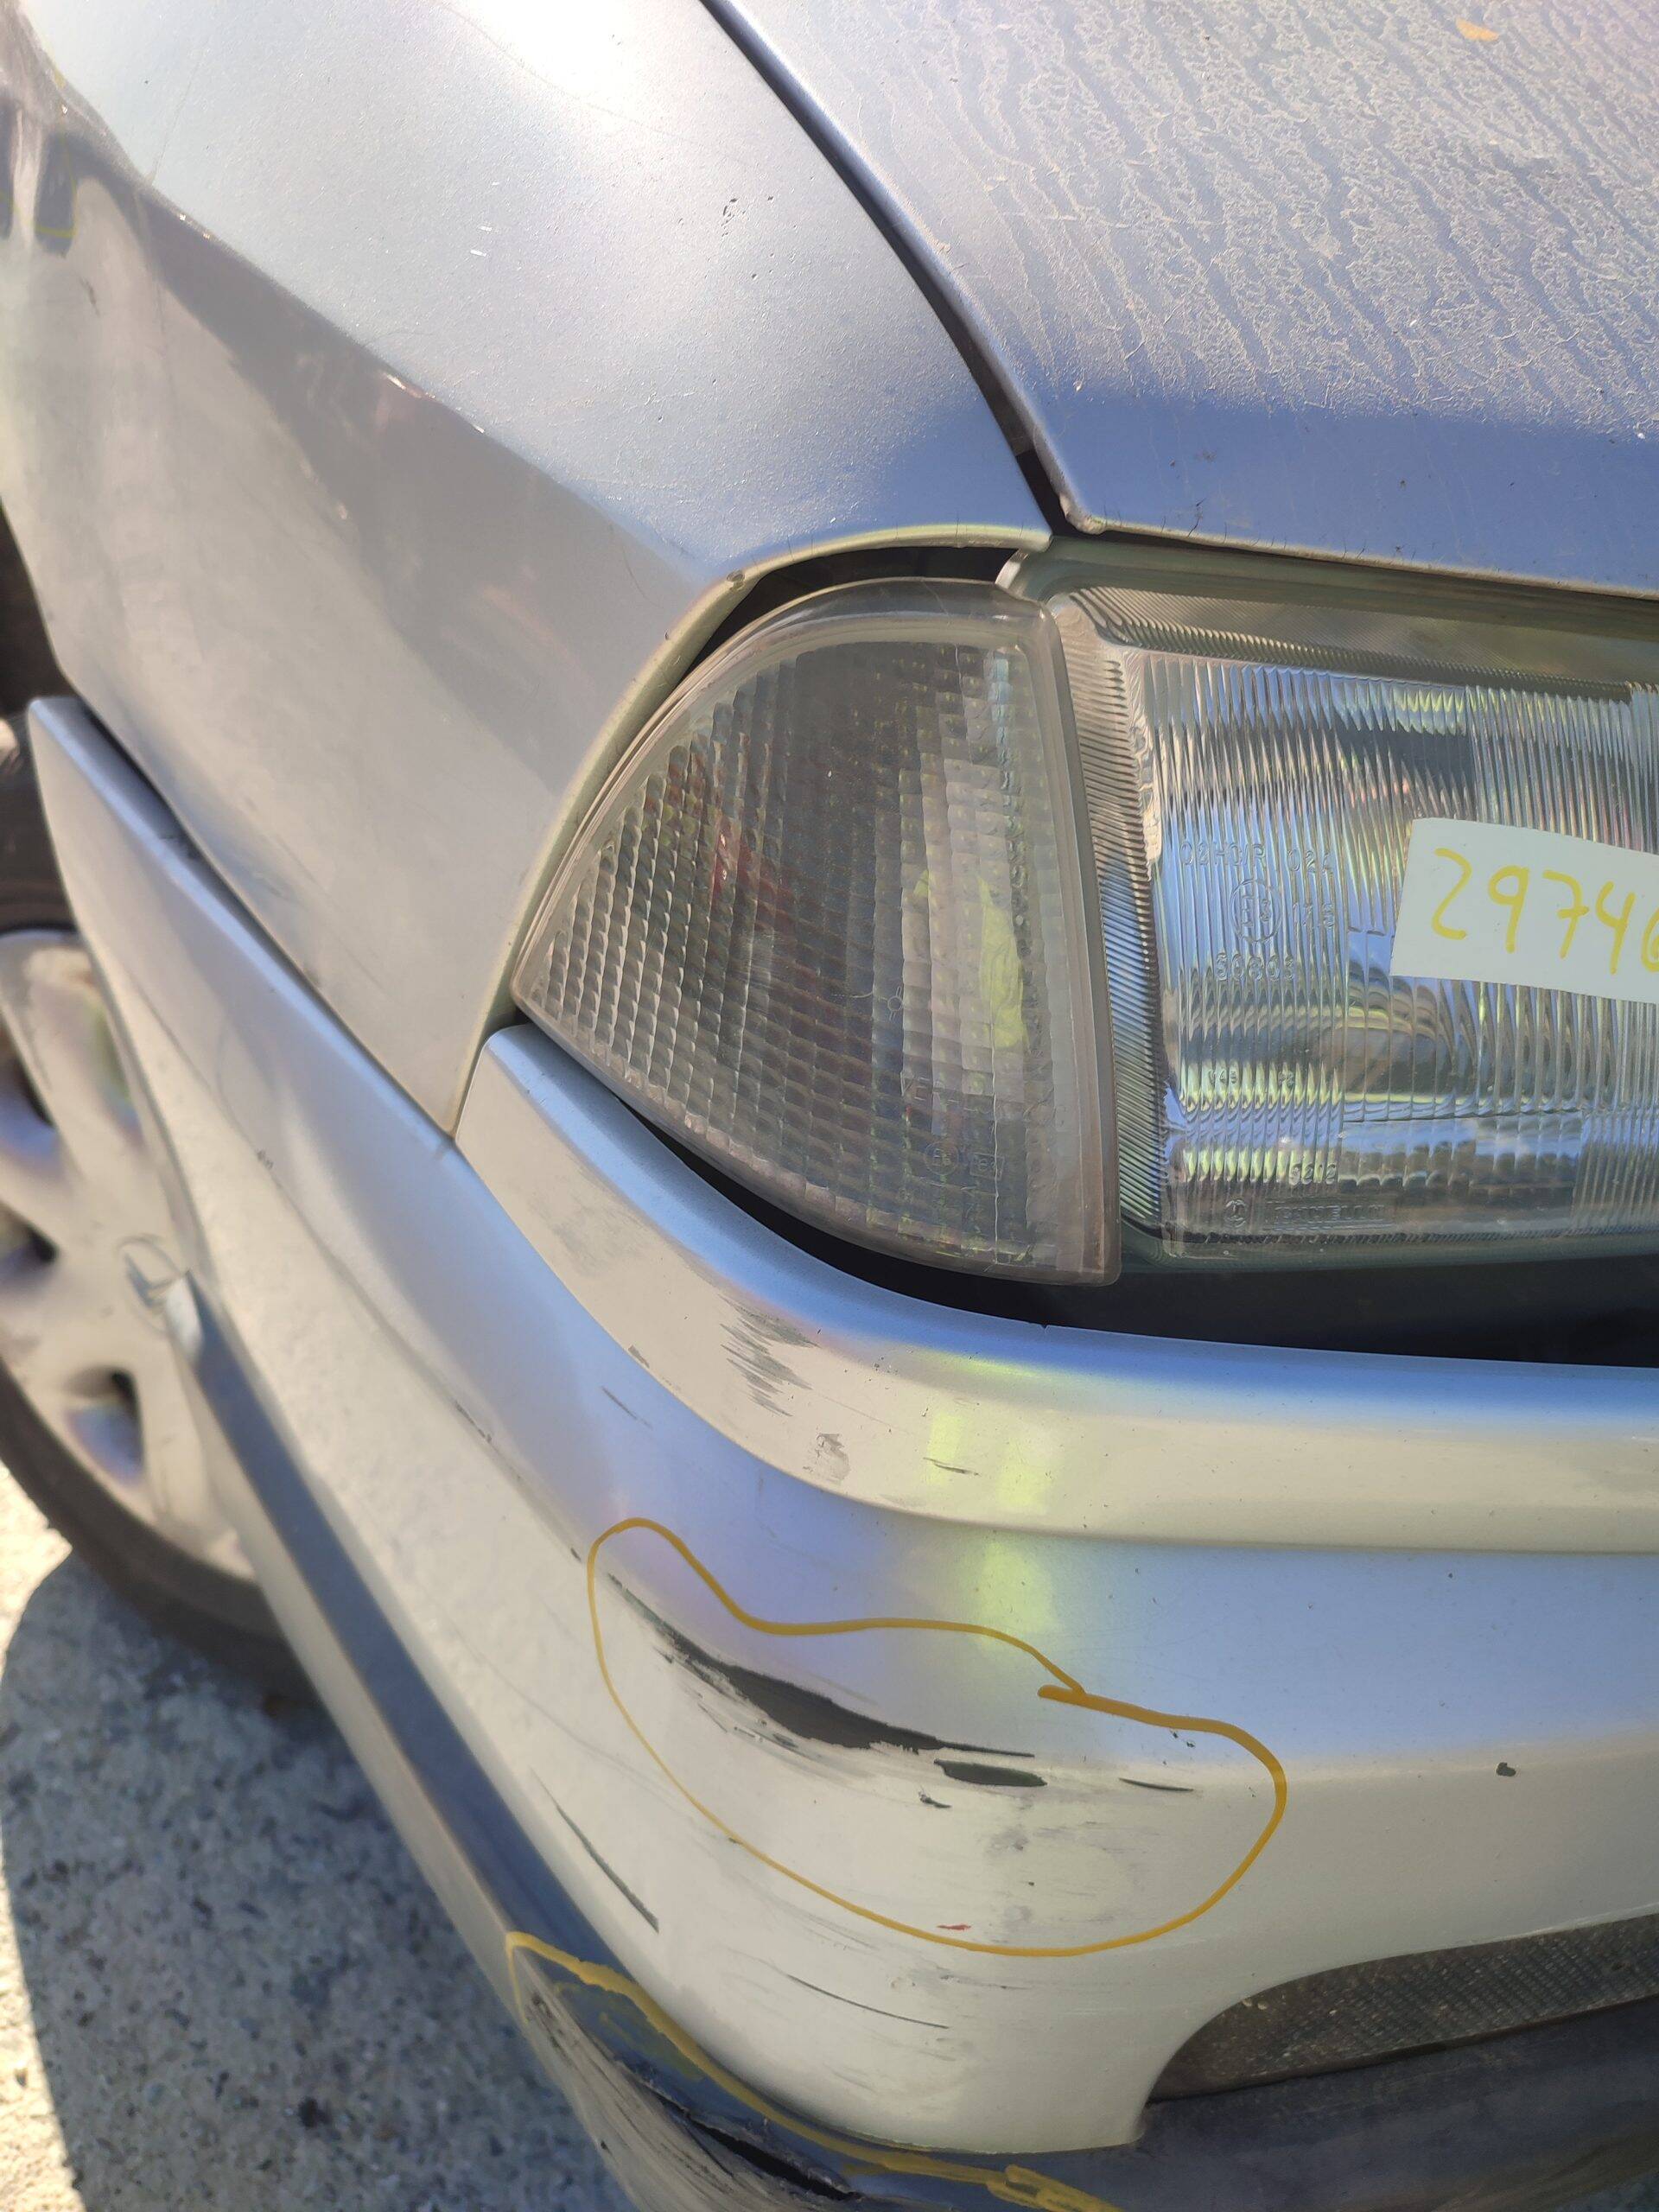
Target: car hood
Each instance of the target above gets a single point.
(1364, 280)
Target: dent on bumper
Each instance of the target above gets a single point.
(923, 1793)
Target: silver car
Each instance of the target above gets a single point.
(829, 969)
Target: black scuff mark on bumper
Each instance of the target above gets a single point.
(795, 1714)
(881, 2012)
(605, 1866)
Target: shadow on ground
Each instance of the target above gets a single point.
(244, 1996)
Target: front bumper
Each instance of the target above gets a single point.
(933, 1718)
(1524, 2120)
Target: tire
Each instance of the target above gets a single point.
(222, 1614)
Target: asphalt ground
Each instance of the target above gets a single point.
(222, 1982)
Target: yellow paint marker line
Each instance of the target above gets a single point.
(1012, 2185)
(1062, 1690)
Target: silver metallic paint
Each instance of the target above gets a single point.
(1068, 1432)
(1350, 280)
(392, 395)
(469, 1428)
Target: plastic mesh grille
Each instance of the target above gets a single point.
(1354, 2015)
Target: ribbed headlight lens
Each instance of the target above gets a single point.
(829, 924)
(1382, 921)
(1358, 909)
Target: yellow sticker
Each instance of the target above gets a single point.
(1484, 903)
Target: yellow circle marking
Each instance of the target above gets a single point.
(1062, 1690)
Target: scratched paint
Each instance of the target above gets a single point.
(948, 1928)
(1011, 2184)
(796, 1711)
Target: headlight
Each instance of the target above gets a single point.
(1308, 1063)
(828, 924)
(1353, 887)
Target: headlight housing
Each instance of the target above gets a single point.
(1351, 889)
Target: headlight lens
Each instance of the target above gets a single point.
(1307, 1064)
(828, 924)
(1359, 910)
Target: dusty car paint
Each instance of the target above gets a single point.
(1340, 280)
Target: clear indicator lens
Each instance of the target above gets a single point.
(1284, 1085)
(829, 924)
